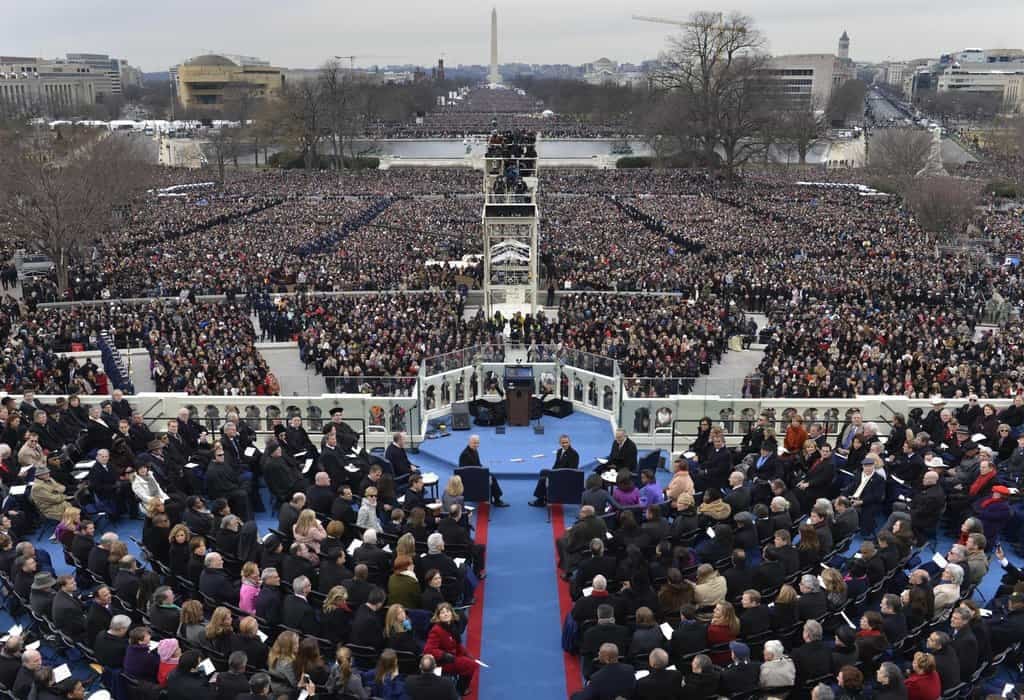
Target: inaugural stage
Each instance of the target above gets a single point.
(520, 452)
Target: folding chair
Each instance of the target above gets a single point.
(565, 487)
(476, 483)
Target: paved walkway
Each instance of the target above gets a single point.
(726, 378)
(295, 379)
(138, 365)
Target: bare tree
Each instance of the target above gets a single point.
(943, 205)
(241, 101)
(847, 102)
(667, 131)
(802, 125)
(898, 154)
(344, 119)
(300, 118)
(744, 108)
(59, 191)
(713, 64)
(221, 146)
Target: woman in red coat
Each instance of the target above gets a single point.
(444, 645)
(924, 682)
(724, 628)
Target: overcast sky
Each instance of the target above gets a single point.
(304, 33)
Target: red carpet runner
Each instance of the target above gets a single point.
(474, 631)
(573, 670)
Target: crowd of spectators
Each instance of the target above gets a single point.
(362, 589)
(200, 348)
(798, 575)
(847, 280)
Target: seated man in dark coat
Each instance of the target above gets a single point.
(622, 454)
(215, 582)
(702, 678)
(320, 495)
(661, 683)
(426, 685)
(359, 586)
(233, 682)
(247, 640)
(689, 637)
(610, 679)
(10, 660)
(270, 599)
(812, 603)
(111, 644)
(223, 480)
(606, 631)
(282, 479)
(164, 615)
(288, 514)
(565, 458)
(367, 626)
(126, 581)
(296, 611)
(470, 457)
(812, 658)
(68, 615)
(396, 455)
(742, 675)
(755, 618)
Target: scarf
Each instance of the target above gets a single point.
(982, 482)
(869, 633)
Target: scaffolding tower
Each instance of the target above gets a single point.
(511, 219)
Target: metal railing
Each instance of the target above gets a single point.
(465, 357)
(664, 387)
(372, 386)
(736, 426)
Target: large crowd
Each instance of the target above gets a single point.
(363, 587)
(752, 572)
(847, 280)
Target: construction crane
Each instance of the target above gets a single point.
(681, 23)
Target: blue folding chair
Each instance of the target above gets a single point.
(476, 484)
(565, 487)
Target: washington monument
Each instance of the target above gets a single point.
(494, 76)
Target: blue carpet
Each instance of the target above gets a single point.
(521, 637)
(520, 452)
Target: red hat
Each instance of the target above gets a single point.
(1001, 490)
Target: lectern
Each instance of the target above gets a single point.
(518, 390)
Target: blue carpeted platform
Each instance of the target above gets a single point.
(522, 453)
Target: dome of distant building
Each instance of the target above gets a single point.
(547, 113)
(210, 59)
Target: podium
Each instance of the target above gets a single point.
(518, 392)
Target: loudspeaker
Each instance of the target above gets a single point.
(538, 428)
(460, 416)
(499, 429)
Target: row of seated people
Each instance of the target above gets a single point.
(155, 665)
(746, 580)
(354, 610)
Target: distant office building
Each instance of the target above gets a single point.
(203, 81)
(811, 77)
(33, 86)
(993, 71)
(117, 71)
